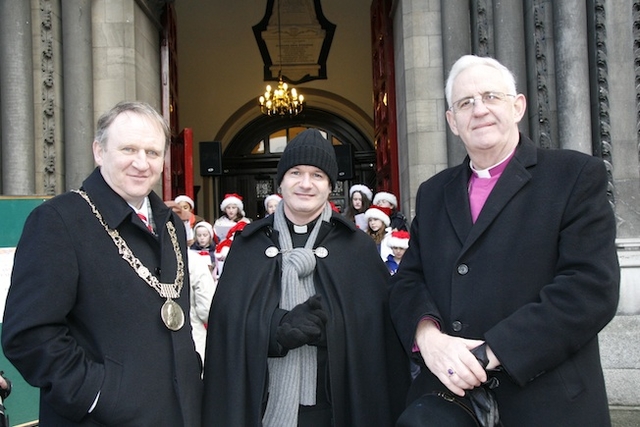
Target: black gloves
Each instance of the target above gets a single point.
(483, 400)
(304, 324)
(480, 352)
(484, 405)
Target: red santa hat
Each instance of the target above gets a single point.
(206, 225)
(184, 198)
(378, 212)
(271, 197)
(383, 195)
(363, 189)
(398, 239)
(232, 199)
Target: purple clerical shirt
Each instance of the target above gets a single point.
(481, 184)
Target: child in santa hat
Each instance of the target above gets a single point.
(359, 201)
(203, 244)
(187, 205)
(377, 223)
(233, 213)
(398, 241)
(222, 249)
(271, 203)
(397, 220)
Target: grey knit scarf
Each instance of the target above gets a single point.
(293, 378)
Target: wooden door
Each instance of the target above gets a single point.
(384, 98)
(178, 167)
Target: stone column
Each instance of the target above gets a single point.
(456, 41)
(572, 75)
(16, 105)
(78, 92)
(508, 30)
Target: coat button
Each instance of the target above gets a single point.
(457, 326)
(463, 269)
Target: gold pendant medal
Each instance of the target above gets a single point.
(172, 315)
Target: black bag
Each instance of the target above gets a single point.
(438, 409)
(478, 408)
(4, 418)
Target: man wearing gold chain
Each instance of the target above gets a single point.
(95, 315)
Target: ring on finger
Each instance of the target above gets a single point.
(451, 372)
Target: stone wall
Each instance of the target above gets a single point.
(126, 55)
(620, 340)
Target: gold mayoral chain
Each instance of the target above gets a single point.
(171, 313)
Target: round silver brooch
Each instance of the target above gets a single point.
(321, 252)
(271, 251)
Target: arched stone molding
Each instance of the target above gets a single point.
(315, 98)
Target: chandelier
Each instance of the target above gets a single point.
(283, 100)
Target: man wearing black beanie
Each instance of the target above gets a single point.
(303, 336)
(309, 148)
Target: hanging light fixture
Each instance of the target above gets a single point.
(282, 101)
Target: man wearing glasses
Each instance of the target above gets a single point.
(512, 269)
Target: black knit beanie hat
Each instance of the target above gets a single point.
(309, 148)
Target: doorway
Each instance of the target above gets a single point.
(250, 160)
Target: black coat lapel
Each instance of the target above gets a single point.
(513, 179)
(456, 199)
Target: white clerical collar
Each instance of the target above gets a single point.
(486, 173)
(300, 229)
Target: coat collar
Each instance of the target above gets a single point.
(268, 222)
(113, 208)
(514, 177)
(266, 225)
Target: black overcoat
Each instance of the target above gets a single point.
(536, 276)
(368, 369)
(79, 320)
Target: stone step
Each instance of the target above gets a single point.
(620, 355)
(625, 416)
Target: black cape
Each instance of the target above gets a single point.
(369, 373)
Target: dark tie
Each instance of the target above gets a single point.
(146, 221)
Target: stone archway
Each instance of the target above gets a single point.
(250, 162)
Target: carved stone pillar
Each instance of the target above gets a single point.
(16, 105)
(456, 41)
(78, 96)
(572, 73)
(508, 30)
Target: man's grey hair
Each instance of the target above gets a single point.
(136, 107)
(468, 61)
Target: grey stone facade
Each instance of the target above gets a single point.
(62, 63)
